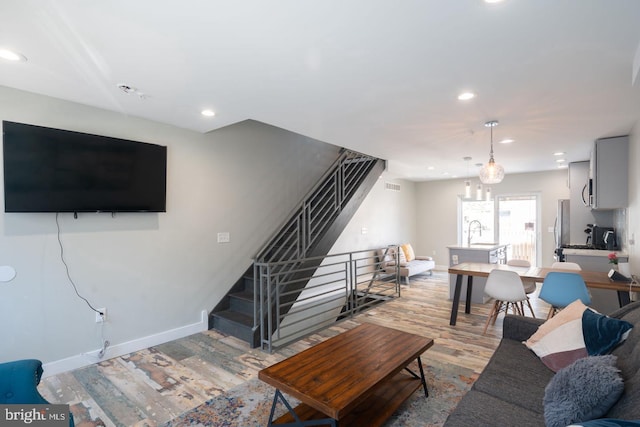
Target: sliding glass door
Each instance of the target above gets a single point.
(518, 226)
(511, 220)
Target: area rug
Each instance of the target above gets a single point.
(249, 404)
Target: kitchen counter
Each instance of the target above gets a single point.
(478, 246)
(488, 253)
(593, 252)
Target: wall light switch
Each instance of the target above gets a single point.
(223, 237)
(364, 230)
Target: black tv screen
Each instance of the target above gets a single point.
(54, 170)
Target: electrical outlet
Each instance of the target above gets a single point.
(454, 259)
(101, 317)
(223, 237)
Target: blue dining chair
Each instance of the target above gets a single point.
(560, 289)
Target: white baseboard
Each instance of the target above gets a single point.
(86, 359)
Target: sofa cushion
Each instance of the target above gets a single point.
(480, 409)
(629, 353)
(629, 404)
(516, 375)
(401, 256)
(575, 333)
(607, 422)
(409, 254)
(582, 391)
(602, 333)
(559, 341)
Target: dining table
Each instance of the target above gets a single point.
(593, 279)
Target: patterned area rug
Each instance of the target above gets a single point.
(249, 404)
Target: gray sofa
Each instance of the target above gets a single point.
(419, 265)
(510, 390)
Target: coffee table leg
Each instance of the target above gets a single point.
(278, 396)
(421, 377)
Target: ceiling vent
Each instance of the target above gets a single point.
(391, 186)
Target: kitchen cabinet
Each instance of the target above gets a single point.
(482, 252)
(580, 212)
(602, 300)
(608, 172)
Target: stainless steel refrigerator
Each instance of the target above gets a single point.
(561, 227)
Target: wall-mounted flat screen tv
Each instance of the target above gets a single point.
(54, 170)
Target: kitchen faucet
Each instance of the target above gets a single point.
(475, 221)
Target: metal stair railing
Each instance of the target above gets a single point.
(312, 217)
(339, 287)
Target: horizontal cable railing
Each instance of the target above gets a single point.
(336, 287)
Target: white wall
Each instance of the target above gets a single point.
(155, 273)
(388, 216)
(437, 209)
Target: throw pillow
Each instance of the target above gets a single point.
(558, 342)
(607, 422)
(602, 333)
(401, 255)
(582, 391)
(408, 252)
(387, 256)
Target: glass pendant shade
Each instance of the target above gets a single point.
(479, 192)
(491, 173)
(467, 189)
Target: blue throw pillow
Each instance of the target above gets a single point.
(608, 422)
(602, 333)
(582, 391)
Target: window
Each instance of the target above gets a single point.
(473, 211)
(510, 220)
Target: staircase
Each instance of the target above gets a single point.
(298, 246)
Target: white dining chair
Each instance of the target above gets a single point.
(506, 288)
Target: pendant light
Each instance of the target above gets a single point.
(492, 172)
(467, 182)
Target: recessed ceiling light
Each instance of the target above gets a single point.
(208, 113)
(430, 168)
(560, 161)
(10, 55)
(493, 1)
(506, 141)
(559, 153)
(465, 96)
(563, 166)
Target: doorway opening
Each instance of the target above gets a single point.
(511, 220)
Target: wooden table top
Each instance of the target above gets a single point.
(593, 279)
(336, 375)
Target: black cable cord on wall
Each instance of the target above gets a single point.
(75, 288)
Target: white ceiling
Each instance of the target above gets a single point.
(378, 76)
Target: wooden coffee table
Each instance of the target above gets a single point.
(356, 378)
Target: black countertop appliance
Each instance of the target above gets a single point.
(604, 238)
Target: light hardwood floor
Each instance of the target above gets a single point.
(152, 386)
